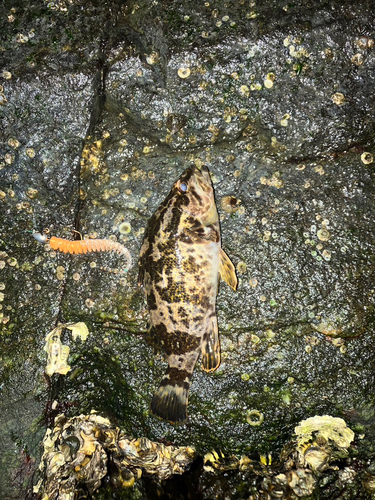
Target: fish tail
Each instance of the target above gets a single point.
(171, 399)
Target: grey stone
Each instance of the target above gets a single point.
(102, 108)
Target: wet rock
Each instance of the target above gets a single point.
(102, 108)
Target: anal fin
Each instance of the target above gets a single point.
(211, 348)
(227, 270)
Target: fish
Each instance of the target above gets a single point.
(180, 262)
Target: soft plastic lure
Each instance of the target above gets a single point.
(84, 246)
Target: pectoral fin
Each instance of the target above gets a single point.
(142, 260)
(141, 275)
(211, 348)
(153, 339)
(227, 271)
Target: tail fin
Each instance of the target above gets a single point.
(171, 399)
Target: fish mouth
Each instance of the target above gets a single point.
(204, 171)
(197, 172)
(202, 174)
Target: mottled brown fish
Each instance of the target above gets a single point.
(179, 266)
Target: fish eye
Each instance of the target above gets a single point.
(183, 187)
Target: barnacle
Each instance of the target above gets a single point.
(301, 482)
(323, 234)
(275, 180)
(230, 204)
(30, 152)
(153, 58)
(357, 59)
(13, 143)
(9, 159)
(92, 157)
(32, 193)
(268, 82)
(365, 43)
(326, 255)
(183, 72)
(125, 228)
(254, 418)
(253, 282)
(338, 98)
(244, 89)
(367, 158)
(241, 267)
(284, 120)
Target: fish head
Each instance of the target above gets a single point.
(196, 195)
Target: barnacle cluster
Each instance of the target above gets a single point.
(83, 450)
(92, 158)
(274, 181)
(319, 441)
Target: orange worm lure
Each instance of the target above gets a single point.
(84, 246)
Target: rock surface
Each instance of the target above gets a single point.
(102, 107)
